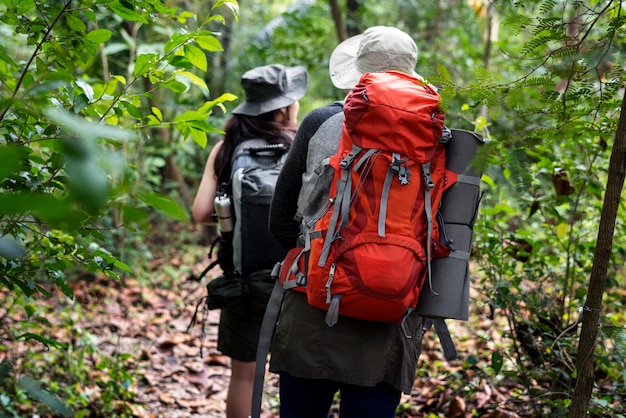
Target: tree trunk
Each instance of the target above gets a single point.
(354, 23)
(340, 28)
(593, 305)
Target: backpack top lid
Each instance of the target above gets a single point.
(394, 111)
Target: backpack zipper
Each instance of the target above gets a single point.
(331, 276)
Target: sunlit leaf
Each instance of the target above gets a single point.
(99, 36)
(183, 16)
(194, 79)
(199, 137)
(196, 56)
(562, 230)
(209, 43)
(157, 112)
(144, 63)
(126, 11)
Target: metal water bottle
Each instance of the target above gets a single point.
(224, 211)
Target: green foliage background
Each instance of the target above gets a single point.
(108, 110)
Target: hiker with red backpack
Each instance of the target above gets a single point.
(321, 345)
(268, 117)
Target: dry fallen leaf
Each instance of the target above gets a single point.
(456, 408)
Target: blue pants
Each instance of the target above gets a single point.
(312, 398)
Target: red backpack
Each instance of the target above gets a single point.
(369, 253)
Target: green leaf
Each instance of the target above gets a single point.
(497, 360)
(165, 205)
(175, 86)
(131, 109)
(498, 208)
(157, 112)
(89, 182)
(199, 137)
(60, 279)
(194, 79)
(45, 341)
(183, 16)
(204, 126)
(189, 116)
(35, 391)
(86, 88)
(145, 63)
(5, 369)
(85, 129)
(45, 87)
(232, 5)
(59, 213)
(75, 23)
(196, 56)
(98, 36)
(207, 106)
(562, 230)
(24, 6)
(126, 11)
(176, 40)
(117, 263)
(179, 61)
(11, 159)
(209, 43)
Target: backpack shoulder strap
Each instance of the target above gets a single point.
(265, 342)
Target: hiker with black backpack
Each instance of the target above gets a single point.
(315, 352)
(259, 132)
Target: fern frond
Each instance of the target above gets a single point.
(566, 51)
(517, 162)
(547, 7)
(516, 24)
(537, 42)
(544, 80)
(548, 24)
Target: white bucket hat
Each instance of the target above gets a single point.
(379, 48)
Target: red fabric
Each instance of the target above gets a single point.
(401, 114)
(285, 273)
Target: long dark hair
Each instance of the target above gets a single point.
(240, 128)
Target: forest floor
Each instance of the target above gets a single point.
(175, 380)
(146, 319)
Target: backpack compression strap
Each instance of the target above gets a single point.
(449, 351)
(428, 186)
(396, 167)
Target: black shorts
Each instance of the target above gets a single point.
(238, 334)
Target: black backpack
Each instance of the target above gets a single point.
(247, 251)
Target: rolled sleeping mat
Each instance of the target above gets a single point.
(447, 295)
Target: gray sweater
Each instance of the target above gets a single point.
(285, 215)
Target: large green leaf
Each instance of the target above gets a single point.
(37, 392)
(165, 205)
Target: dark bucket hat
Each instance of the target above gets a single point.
(271, 87)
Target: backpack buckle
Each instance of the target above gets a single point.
(401, 166)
